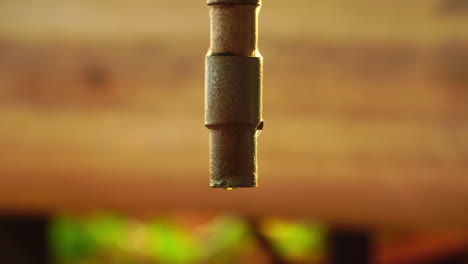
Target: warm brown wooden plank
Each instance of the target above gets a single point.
(75, 161)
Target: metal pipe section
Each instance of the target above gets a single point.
(233, 93)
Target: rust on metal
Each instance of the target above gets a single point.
(233, 92)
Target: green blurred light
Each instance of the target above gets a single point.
(296, 240)
(70, 240)
(170, 244)
(109, 231)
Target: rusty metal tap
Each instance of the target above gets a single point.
(233, 93)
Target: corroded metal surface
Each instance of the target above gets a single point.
(233, 89)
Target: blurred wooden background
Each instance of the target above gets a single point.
(365, 108)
